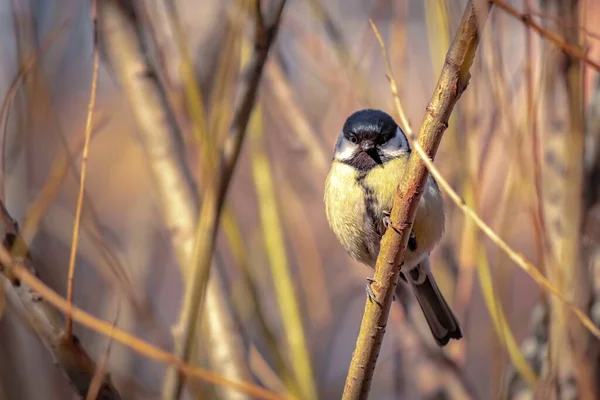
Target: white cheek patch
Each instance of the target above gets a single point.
(346, 152)
(397, 145)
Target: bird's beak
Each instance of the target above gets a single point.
(369, 148)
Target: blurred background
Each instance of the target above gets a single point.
(284, 302)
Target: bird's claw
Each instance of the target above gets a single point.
(387, 221)
(370, 293)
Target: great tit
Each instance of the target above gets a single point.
(369, 159)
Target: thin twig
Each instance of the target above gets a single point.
(84, 157)
(42, 291)
(545, 33)
(519, 259)
(453, 81)
(12, 91)
(126, 51)
(540, 228)
(492, 291)
(342, 50)
(561, 21)
(45, 321)
(96, 384)
(285, 292)
(216, 189)
(390, 77)
(445, 360)
(296, 118)
(249, 299)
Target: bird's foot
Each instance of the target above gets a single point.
(387, 221)
(370, 293)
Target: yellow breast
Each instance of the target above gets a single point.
(355, 200)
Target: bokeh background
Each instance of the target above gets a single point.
(325, 64)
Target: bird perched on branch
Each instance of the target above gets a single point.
(370, 157)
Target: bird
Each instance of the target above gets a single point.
(369, 159)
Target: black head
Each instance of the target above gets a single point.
(369, 138)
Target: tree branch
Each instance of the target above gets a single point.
(545, 33)
(11, 266)
(47, 323)
(124, 49)
(453, 81)
(216, 189)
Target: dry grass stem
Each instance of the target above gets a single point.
(47, 324)
(553, 37)
(453, 81)
(179, 205)
(313, 278)
(285, 291)
(561, 22)
(41, 291)
(96, 384)
(519, 259)
(536, 145)
(216, 189)
(341, 49)
(393, 84)
(84, 157)
(12, 91)
(573, 352)
(284, 94)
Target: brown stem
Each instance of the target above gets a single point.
(84, 157)
(453, 81)
(553, 37)
(216, 188)
(37, 292)
(68, 353)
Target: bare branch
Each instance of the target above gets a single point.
(47, 323)
(37, 290)
(216, 189)
(572, 360)
(545, 33)
(84, 157)
(179, 203)
(453, 81)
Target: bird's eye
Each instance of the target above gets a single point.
(353, 139)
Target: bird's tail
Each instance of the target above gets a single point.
(440, 318)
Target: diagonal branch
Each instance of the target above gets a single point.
(545, 33)
(179, 203)
(42, 294)
(215, 191)
(68, 353)
(453, 81)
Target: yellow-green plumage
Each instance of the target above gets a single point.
(370, 157)
(347, 191)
